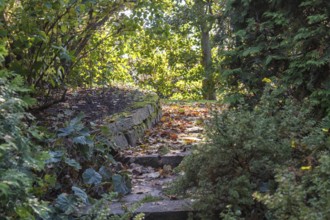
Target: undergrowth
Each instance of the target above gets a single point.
(271, 162)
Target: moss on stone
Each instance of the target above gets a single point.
(115, 117)
(137, 131)
(149, 99)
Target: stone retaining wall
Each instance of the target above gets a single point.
(129, 126)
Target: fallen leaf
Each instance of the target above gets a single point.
(189, 141)
(173, 136)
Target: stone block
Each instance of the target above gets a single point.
(120, 140)
(127, 127)
(166, 210)
(113, 128)
(134, 134)
(148, 122)
(160, 210)
(151, 109)
(124, 124)
(139, 115)
(156, 160)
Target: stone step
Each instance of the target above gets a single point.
(156, 160)
(160, 210)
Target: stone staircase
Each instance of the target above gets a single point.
(152, 161)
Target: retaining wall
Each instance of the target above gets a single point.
(128, 127)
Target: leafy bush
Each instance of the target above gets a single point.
(80, 170)
(302, 193)
(266, 39)
(20, 158)
(77, 167)
(244, 150)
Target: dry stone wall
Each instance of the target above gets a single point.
(129, 126)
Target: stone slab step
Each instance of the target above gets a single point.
(160, 210)
(155, 160)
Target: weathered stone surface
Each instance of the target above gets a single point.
(156, 118)
(112, 127)
(160, 210)
(139, 115)
(166, 210)
(120, 140)
(131, 125)
(135, 134)
(156, 161)
(148, 123)
(144, 192)
(124, 124)
(151, 109)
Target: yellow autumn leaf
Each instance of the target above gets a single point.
(266, 80)
(306, 167)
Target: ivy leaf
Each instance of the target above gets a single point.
(90, 176)
(80, 140)
(55, 157)
(65, 203)
(4, 189)
(77, 119)
(105, 173)
(120, 184)
(87, 151)
(251, 50)
(65, 131)
(72, 163)
(81, 194)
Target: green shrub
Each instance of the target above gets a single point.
(244, 149)
(302, 193)
(19, 157)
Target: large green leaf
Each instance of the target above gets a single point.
(80, 140)
(105, 172)
(251, 51)
(55, 157)
(66, 203)
(66, 131)
(72, 163)
(120, 184)
(90, 176)
(81, 194)
(77, 120)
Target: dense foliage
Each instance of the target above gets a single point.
(46, 39)
(253, 154)
(268, 153)
(20, 158)
(287, 43)
(52, 175)
(49, 185)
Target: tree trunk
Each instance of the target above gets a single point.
(208, 85)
